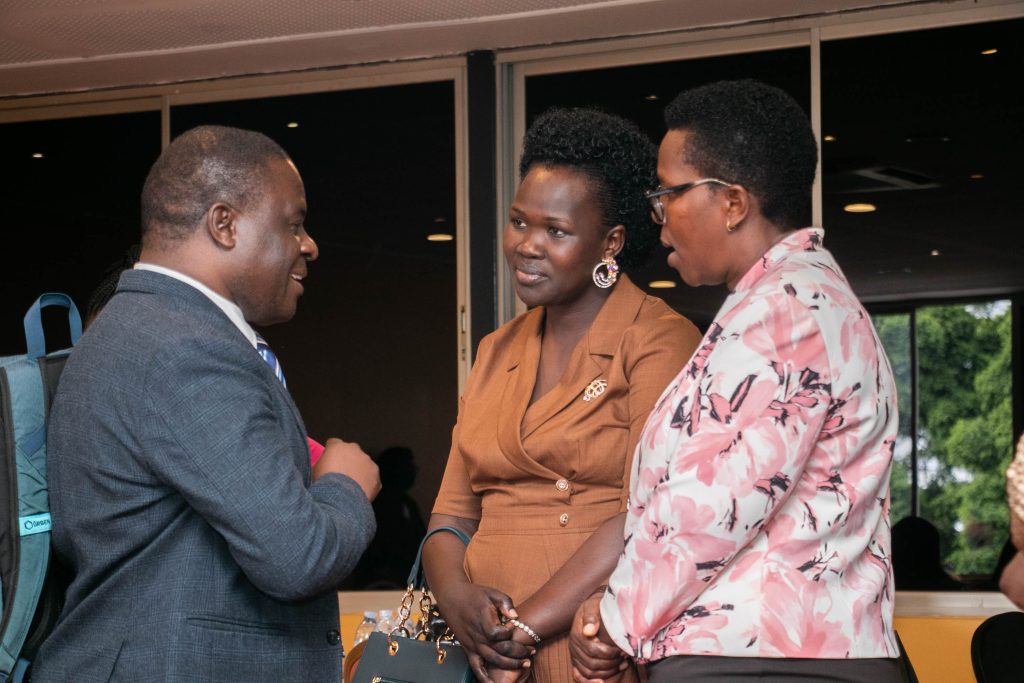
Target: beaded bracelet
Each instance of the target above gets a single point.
(525, 629)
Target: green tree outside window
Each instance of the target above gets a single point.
(964, 439)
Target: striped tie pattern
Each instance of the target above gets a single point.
(266, 354)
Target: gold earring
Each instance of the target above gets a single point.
(610, 273)
(729, 227)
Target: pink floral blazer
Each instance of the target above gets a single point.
(758, 518)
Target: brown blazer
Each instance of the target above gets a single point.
(509, 456)
(542, 478)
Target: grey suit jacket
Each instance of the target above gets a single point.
(181, 497)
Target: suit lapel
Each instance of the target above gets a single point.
(199, 304)
(521, 375)
(590, 359)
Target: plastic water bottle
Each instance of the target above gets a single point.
(367, 626)
(384, 618)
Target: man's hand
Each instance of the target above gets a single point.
(341, 457)
(595, 657)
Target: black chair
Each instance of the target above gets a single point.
(997, 649)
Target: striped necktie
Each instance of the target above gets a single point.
(262, 348)
(266, 354)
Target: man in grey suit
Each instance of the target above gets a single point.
(203, 547)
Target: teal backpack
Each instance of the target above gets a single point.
(31, 585)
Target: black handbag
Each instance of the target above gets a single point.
(397, 657)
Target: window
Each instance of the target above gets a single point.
(640, 93)
(71, 199)
(918, 143)
(952, 364)
(371, 354)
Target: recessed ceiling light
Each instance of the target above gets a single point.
(661, 284)
(651, 98)
(977, 176)
(990, 51)
(293, 124)
(439, 219)
(37, 155)
(439, 237)
(935, 252)
(859, 208)
(829, 138)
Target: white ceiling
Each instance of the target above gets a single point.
(52, 46)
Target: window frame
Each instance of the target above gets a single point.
(163, 98)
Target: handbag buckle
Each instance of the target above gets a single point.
(392, 646)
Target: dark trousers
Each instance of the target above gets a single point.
(773, 670)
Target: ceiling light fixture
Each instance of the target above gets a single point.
(37, 155)
(439, 237)
(651, 98)
(935, 252)
(990, 51)
(661, 284)
(859, 208)
(293, 124)
(829, 138)
(977, 176)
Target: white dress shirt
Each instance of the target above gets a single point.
(230, 308)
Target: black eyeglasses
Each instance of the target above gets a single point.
(654, 196)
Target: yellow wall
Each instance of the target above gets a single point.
(939, 647)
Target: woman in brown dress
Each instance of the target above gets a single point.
(550, 416)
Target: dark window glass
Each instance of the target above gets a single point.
(925, 129)
(371, 355)
(640, 93)
(71, 212)
(919, 128)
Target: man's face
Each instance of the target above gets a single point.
(273, 248)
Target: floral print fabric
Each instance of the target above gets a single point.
(758, 518)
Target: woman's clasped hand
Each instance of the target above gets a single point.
(595, 657)
(477, 614)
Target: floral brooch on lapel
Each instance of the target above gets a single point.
(595, 389)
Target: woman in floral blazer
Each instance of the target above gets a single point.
(757, 531)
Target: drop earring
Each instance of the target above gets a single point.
(606, 272)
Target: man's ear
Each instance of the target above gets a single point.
(220, 225)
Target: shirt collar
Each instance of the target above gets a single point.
(806, 239)
(230, 308)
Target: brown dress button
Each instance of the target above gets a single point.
(562, 485)
(564, 519)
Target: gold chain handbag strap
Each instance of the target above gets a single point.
(417, 580)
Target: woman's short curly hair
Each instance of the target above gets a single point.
(753, 134)
(617, 157)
